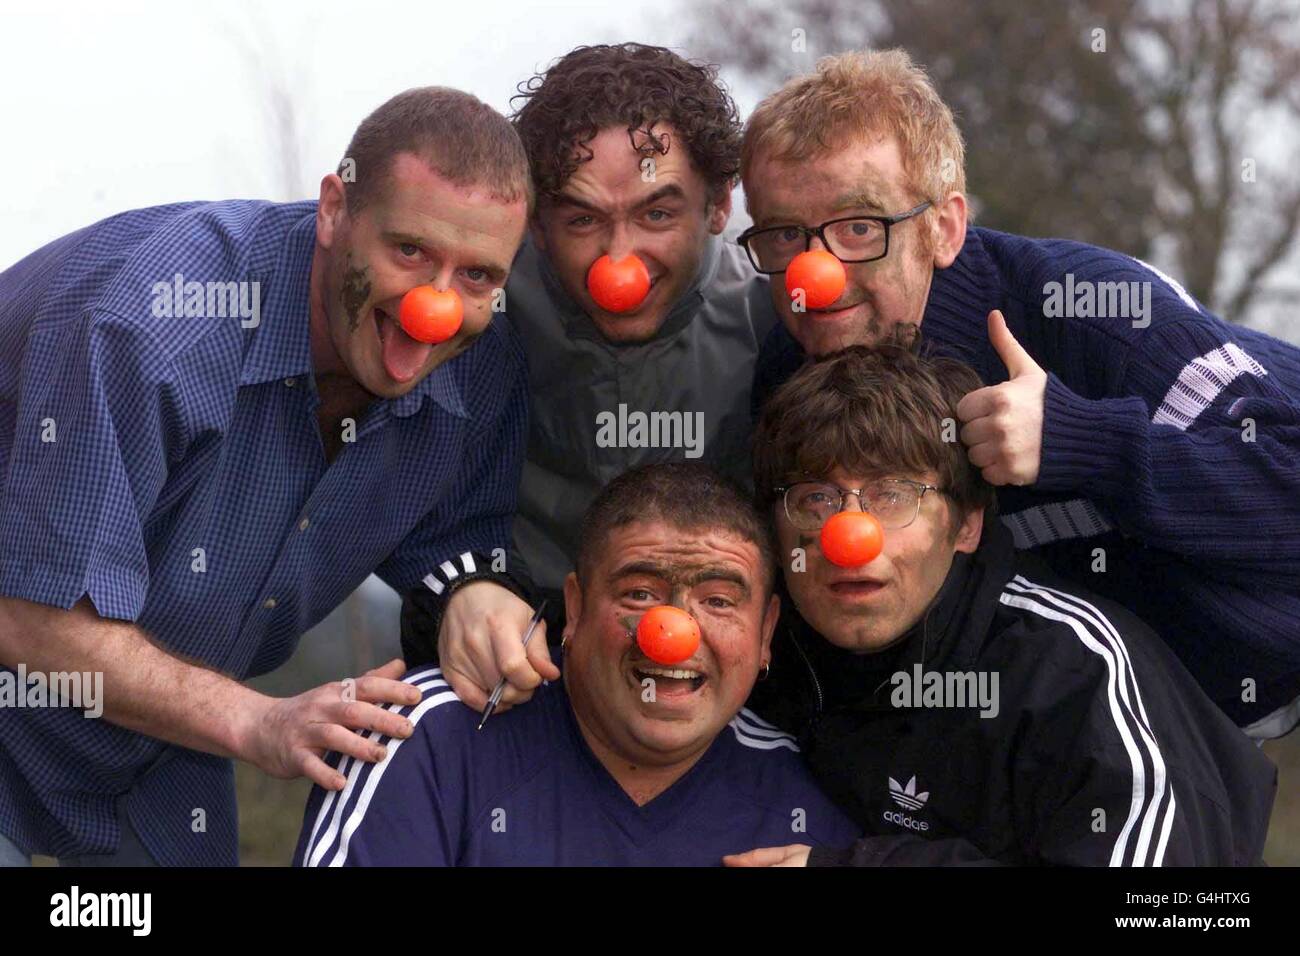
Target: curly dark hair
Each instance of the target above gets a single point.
(634, 85)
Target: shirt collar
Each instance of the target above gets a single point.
(441, 385)
(281, 343)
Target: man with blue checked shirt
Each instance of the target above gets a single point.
(623, 761)
(212, 429)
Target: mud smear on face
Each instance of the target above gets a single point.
(355, 292)
(914, 293)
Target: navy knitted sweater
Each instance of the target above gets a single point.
(1170, 476)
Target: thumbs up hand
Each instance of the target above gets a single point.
(1002, 425)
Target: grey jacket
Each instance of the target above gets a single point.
(700, 364)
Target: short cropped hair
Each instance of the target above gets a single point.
(874, 412)
(458, 135)
(857, 95)
(634, 86)
(686, 496)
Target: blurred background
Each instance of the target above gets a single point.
(1167, 130)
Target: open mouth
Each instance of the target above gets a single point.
(670, 681)
(403, 356)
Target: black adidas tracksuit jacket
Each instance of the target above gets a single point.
(1103, 750)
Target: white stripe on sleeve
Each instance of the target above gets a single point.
(372, 781)
(1093, 616)
(1201, 381)
(1113, 678)
(761, 743)
(353, 770)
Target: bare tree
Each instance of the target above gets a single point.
(1218, 79)
(1162, 129)
(276, 84)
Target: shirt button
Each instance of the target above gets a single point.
(304, 524)
(291, 382)
(269, 604)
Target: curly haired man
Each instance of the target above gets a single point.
(633, 150)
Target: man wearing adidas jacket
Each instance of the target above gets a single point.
(961, 702)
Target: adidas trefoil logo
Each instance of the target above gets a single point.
(907, 797)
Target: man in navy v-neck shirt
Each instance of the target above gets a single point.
(623, 762)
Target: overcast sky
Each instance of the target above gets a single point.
(107, 107)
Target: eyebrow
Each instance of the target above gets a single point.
(863, 199)
(669, 191)
(710, 572)
(495, 270)
(848, 201)
(406, 237)
(778, 219)
(568, 199)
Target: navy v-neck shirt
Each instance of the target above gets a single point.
(528, 791)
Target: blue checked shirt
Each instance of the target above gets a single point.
(171, 470)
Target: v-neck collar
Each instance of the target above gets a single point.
(642, 823)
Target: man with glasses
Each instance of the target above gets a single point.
(851, 239)
(959, 701)
(1142, 446)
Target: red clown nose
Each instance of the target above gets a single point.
(618, 286)
(430, 316)
(819, 274)
(852, 538)
(667, 635)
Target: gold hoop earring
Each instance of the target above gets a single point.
(764, 671)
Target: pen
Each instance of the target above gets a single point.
(501, 684)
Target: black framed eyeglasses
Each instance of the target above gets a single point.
(894, 501)
(850, 239)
